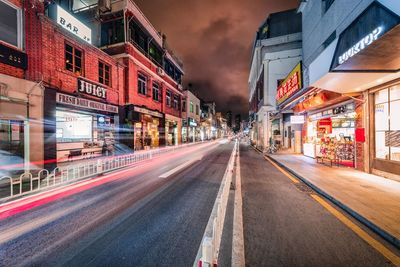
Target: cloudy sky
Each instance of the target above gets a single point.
(214, 40)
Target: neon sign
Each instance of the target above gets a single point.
(360, 45)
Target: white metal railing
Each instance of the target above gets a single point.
(210, 245)
(28, 182)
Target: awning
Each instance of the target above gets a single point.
(366, 54)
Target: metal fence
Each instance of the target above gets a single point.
(210, 245)
(43, 179)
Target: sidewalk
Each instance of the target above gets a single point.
(372, 199)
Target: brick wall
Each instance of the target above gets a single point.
(50, 57)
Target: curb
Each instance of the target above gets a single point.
(384, 234)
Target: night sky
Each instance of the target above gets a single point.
(214, 39)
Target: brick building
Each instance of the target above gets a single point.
(80, 79)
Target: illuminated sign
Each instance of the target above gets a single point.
(296, 119)
(84, 103)
(148, 112)
(290, 85)
(13, 57)
(70, 23)
(91, 89)
(360, 45)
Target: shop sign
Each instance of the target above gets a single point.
(359, 36)
(70, 23)
(148, 112)
(297, 119)
(360, 45)
(340, 110)
(85, 103)
(290, 85)
(13, 57)
(91, 88)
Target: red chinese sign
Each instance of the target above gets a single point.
(290, 85)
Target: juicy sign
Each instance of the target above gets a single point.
(360, 45)
(91, 89)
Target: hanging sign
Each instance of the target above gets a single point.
(70, 23)
(290, 85)
(91, 88)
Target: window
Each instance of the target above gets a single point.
(327, 4)
(197, 110)
(73, 59)
(142, 84)
(176, 102)
(168, 98)
(10, 24)
(112, 32)
(387, 126)
(191, 107)
(156, 92)
(104, 73)
(73, 127)
(183, 106)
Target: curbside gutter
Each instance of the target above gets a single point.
(375, 228)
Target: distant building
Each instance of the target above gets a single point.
(238, 120)
(276, 52)
(229, 119)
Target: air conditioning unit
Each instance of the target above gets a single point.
(104, 6)
(160, 71)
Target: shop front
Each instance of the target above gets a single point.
(385, 128)
(173, 129)
(363, 64)
(330, 134)
(190, 131)
(83, 128)
(21, 124)
(146, 128)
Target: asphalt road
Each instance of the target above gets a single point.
(138, 219)
(285, 226)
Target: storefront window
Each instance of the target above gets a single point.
(73, 127)
(142, 84)
(387, 127)
(10, 24)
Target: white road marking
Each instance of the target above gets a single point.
(238, 259)
(179, 168)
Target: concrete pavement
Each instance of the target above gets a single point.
(285, 226)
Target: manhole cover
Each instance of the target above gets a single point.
(304, 188)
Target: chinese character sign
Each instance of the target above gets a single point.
(290, 85)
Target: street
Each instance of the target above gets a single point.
(141, 219)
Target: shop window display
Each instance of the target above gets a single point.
(387, 127)
(331, 138)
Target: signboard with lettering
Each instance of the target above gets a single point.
(290, 85)
(90, 88)
(357, 47)
(85, 103)
(71, 24)
(13, 57)
(340, 109)
(148, 112)
(297, 119)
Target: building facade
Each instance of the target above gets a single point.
(191, 118)
(80, 79)
(351, 84)
(276, 51)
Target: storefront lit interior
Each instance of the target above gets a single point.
(83, 135)
(146, 132)
(331, 136)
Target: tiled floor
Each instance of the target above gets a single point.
(375, 198)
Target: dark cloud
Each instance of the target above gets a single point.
(214, 40)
